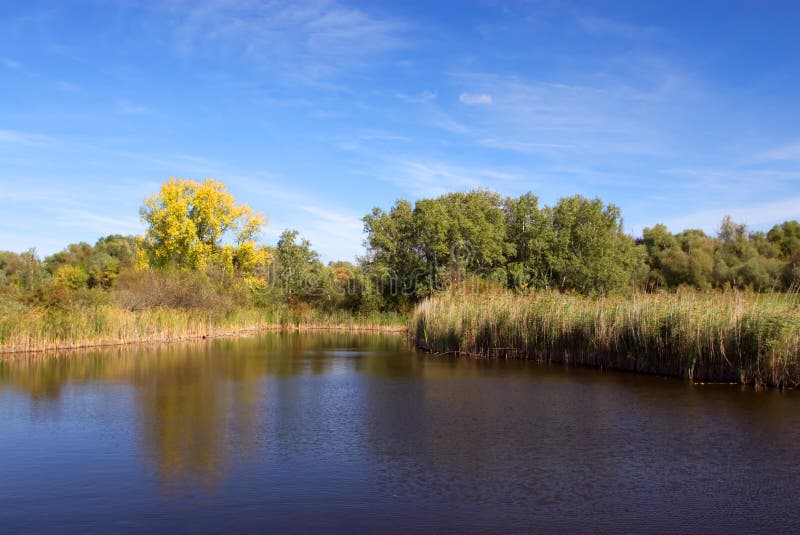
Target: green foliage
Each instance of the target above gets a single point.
(577, 245)
(31, 274)
(298, 269)
(528, 234)
(734, 259)
(790, 274)
(394, 259)
(683, 259)
(10, 266)
(587, 250)
(354, 289)
(416, 251)
(200, 253)
(100, 264)
(738, 263)
(786, 237)
(70, 276)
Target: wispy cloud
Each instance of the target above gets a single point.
(474, 99)
(9, 63)
(127, 107)
(521, 146)
(334, 232)
(422, 178)
(39, 212)
(25, 138)
(308, 42)
(439, 119)
(101, 223)
(599, 115)
(373, 138)
(419, 98)
(69, 87)
(751, 214)
(606, 27)
(781, 153)
(732, 181)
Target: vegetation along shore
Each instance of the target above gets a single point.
(470, 272)
(738, 337)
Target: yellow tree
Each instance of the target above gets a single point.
(193, 224)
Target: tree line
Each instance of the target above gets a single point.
(577, 245)
(201, 250)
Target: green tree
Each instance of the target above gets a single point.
(588, 250)
(660, 245)
(786, 238)
(31, 274)
(738, 263)
(394, 260)
(73, 255)
(298, 268)
(412, 252)
(528, 233)
(460, 234)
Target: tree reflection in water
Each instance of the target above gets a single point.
(198, 404)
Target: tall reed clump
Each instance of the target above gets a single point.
(731, 337)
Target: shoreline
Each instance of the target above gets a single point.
(513, 354)
(701, 338)
(240, 332)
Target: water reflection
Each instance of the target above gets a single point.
(198, 405)
(341, 432)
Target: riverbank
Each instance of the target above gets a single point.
(727, 337)
(42, 329)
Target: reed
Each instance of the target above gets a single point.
(39, 329)
(719, 337)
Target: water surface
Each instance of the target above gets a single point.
(289, 433)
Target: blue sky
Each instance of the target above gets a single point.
(679, 112)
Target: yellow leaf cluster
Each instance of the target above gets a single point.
(194, 224)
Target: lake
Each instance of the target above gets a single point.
(358, 433)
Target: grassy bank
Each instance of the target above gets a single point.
(39, 329)
(730, 337)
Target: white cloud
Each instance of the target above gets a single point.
(733, 181)
(474, 99)
(782, 153)
(25, 138)
(335, 234)
(102, 224)
(304, 42)
(432, 178)
(751, 214)
(69, 87)
(605, 27)
(130, 108)
(9, 63)
(522, 146)
(600, 114)
(419, 98)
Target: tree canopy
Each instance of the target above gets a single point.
(193, 224)
(201, 250)
(577, 245)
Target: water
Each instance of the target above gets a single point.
(290, 433)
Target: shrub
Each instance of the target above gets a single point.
(178, 289)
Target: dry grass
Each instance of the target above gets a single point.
(731, 337)
(42, 329)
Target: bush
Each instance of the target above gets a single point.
(178, 289)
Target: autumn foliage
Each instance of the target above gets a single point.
(195, 224)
